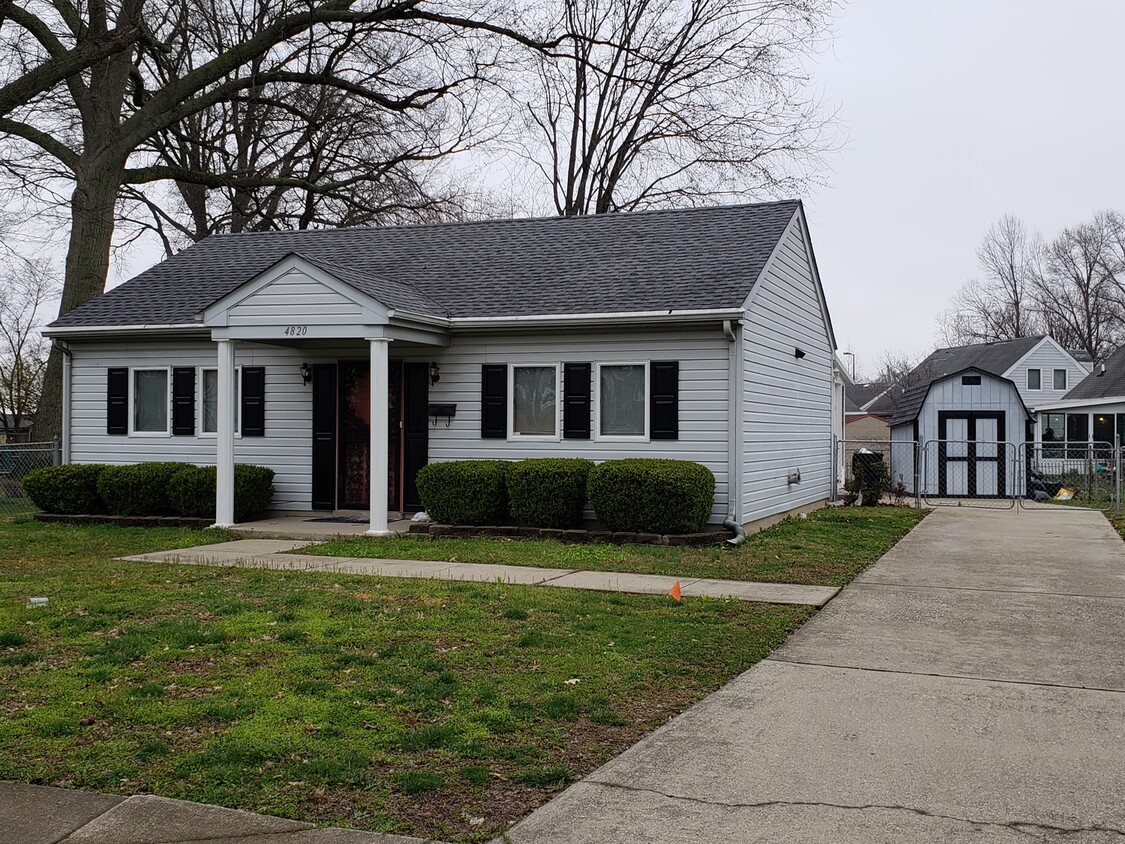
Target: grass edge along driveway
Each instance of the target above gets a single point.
(439, 709)
(827, 548)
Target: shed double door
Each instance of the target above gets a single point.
(971, 454)
(342, 434)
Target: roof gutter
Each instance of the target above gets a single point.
(95, 330)
(620, 318)
(1063, 405)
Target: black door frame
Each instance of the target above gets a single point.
(412, 443)
(971, 458)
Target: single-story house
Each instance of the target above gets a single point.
(1092, 412)
(965, 424)
(13, 432)
(347, 359)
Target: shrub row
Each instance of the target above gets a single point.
(146, 489)
(636, 494)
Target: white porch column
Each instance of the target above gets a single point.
(224, 441)
(378, 463)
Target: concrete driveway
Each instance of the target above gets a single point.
(968, 687)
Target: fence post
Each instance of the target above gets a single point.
(56, 451)
(835, 468)
(1117, 473)
(917, 476)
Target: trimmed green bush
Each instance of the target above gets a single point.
(465, 492)
(651, 495)
(71, 489)
(548, 491)
(138, 490)
(192, 491)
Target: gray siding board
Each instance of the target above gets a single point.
(787, 418)
(1047, 357)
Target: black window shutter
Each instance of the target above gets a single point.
(253, 401)
(494, 401)
(576, 401)
(117, 402)
(664, 403)
(183, 401)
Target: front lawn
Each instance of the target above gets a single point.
(431, 708)
(828, 548)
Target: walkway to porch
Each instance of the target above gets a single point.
(315, 525)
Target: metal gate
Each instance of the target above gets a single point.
(1059, 475)
(970, 473)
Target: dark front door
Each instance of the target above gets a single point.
(971, 459)
(355, 435)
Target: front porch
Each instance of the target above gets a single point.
(317, 526)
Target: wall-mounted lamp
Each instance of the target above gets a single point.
(306, 373)
(798, 353)
(435, 373)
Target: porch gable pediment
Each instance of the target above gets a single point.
(294, 291)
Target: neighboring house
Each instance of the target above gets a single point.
(864, 428)
(10, 432)
(1093, 412)
(347, 359)
(969, 425)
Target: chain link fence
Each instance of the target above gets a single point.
(16, 460)
(885, 468)
(970, 473)
(1060, 475)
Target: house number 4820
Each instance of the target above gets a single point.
(296, 330)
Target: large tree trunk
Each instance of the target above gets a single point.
(92, 204)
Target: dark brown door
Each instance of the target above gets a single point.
(355, 435)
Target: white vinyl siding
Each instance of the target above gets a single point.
(287, 445)
(787, 420)
(1046, 357)
(308, 301)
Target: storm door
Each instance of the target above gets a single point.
(354, 470)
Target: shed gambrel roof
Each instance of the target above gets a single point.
(1101, 386)
(686, 259)
(913, 398)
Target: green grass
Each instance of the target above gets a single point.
(828, 548)
(403, 706)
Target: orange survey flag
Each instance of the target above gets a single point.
(675, 590)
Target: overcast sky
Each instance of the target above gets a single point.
(956, 114)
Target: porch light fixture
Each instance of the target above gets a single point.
(435, 373)
(306, 373)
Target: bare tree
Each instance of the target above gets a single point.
(26, 287)
(659, 102)
(1001, 305)
(90, 131)
(1076, 290)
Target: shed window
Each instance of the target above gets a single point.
(150, 401)
(534, 396)
(1034, 379)
(209, 400)
(623, 400)
(1060, 379)
(970, 380)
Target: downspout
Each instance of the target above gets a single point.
(739, 534)
(734, 437)
(64, 427)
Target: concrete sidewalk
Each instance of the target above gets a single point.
(968, 687)
(32, 814)
(272, 554)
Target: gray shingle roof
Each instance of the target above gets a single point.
(1096, 386)
(685, 259)
(912, 399)
(857, 395)
(993, 358)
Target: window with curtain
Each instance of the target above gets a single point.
(1060, 379)
(1034, 379)
(534, 401)
(150, 401)
(209, 401)
(622, 403)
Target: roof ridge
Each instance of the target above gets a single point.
(320, 262)
(575, 218)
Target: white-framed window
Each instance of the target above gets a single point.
(621, 401)
(1060, 379)
(533, 401)
(150, 402)
(1034, 379)
(208, 401)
